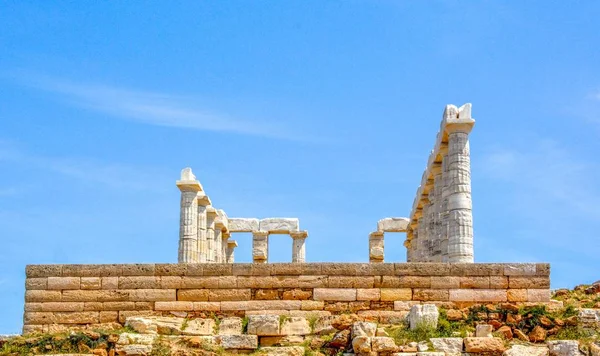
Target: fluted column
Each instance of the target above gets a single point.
(435, 197)
(444, 214)
(203, 203)
(231, 245)
(188, 222)
(224, 245)
(460, 228)
(260, 246)
(211, 214)
(298, 246)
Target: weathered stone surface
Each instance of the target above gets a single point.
(394, 294)
(335, 294)
(564, 348)
(383, 344)
(288, 340)
(199, 327)
(361, 344)
(484, 344)
(595, 347)
(283, 351)
(522, 350)
(279, 225)
(243, 225)
(538, 334)
(363, 328)
(423, 315)
(393, 224)
(483, 330)
(263, 325)
(295, 326)
(449, 345)
(239, 342)
(340, 339)
(156, 325)
(231, 326)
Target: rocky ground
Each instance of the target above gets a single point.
(568, 325)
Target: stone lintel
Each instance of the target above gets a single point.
(279, 225)
(243, 224)
(393, 224)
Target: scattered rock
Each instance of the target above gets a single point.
(199, 327)
(538, 334)
(564, 348)
(521, 350)
(283, 351)
(484, 344)
(263, 325)
(454, 315)
(241, 342)
(423, 315)
(506, 332)
(344, 321)
(448, 345)
(483, 330)
(521, 335)
(295, 326)
(363, 328)
(361, 344)
(383, 344)
(340, 339)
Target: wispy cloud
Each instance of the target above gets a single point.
(112, 175)
(153, 108)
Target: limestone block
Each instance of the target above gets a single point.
(268, 341)
(263, 325)
(449, 345)
(490, 295)
(335, 294)
(110, 283)
(423, 315)
(133, 350)
(279, 225)
(361, 344)
(363, 328)
(174, 306)
(39, 271)
(243, 225)
(524, 282)
(199, 326)
(295, 326)
(447, 282)
(520, 269)
(393, 294)
(271, 304)
(54, 307)
(370, 294)
(588, 317)
(393, 224)
(207, 306)
(538, 295)
(108, 317)
(311, 305)
(152, 295)
(91, 283)
(522, 350)
(43, 296)
(383, 344)
(483, 330)
(64, 283)
(36, 283)
(231, 326)
(594, 349)
(283, 351)
(516, 295)
(296, 294)
(484, 344)
(564, 348)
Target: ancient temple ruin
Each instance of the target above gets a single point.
(440, 227)
(204, 231)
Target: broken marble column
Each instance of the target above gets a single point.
(460, 228)
(376, 247)
(203, 203)
(298, 246)
(211, 215)
(188, 222)
(260, 246)
(230, 256)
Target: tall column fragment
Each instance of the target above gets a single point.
(231, 245)
(211, 214)
(188, 222)
(260, 246)
(298, 246)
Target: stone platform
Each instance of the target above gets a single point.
(92, 294)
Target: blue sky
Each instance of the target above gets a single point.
(325, 111)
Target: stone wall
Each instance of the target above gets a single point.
(92, 294)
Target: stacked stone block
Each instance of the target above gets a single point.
(93, 294)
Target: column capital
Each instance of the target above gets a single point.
(232, 244)
(376, 235)
(188, 182)
(299, 234)
(203, 199)
(260, 233)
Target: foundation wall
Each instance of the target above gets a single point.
(92, 294)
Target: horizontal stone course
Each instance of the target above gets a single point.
(86, 294)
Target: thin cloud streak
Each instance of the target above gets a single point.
(158, 109)
(83, 169)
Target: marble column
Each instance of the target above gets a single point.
(298, 246)
(188, 222)
(211, 215)
(203, 203)
(225, 246)
(376, 247)
(435, 196)
(444, 214)
(260, 246)
(231, 245)
(460, 228)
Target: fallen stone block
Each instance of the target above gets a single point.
(282, 351)
(449, 345)
(383, 344)
(238, 342)
(231, 326)
(564, 348)
(424, 316)
(263, 325)
(484, 344)
(295, 326)
(363, 328)
(521, 350)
